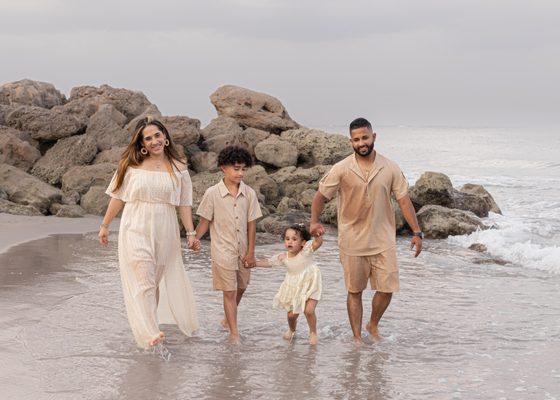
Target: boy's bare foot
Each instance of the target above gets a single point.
(289, 335)
(158, 339)
(373, 332)
(224, 324)
(313, 339)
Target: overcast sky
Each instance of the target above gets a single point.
(464, 62)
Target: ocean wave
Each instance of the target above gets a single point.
(517, 241)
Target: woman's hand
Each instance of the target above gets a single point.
(193, 243)
(103, 235)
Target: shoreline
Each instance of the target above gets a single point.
(18, 229)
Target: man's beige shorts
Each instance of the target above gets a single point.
(380, 269)
(230, 279)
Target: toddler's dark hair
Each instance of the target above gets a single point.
(232, 155)
(301, 229)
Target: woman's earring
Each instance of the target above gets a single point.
(144, 151)
(167, 142)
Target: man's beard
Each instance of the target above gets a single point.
(367, 153)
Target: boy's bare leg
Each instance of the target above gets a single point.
(238, 300)
(230, 310)
(379, 304)
(355, 310)
(311, 320)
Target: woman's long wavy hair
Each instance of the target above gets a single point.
(133, 157)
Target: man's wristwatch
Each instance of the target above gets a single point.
(419, 234)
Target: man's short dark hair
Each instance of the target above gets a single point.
(359, 123)
(232, 155)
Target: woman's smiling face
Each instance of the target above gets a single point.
(153, 139)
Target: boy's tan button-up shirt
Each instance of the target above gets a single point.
(366, 219)
(228, 218)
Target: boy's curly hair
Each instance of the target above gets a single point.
(300, 228)
(232, 155)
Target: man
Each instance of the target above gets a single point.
(364, 182)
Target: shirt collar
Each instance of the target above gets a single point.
(224, 190)
(378, 164)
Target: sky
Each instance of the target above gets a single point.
(418, 63)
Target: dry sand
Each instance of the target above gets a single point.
(16, 229)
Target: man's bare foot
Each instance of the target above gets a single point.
(289, 335)
(224, 324)
(313, 339)
(158, 339)
(233, 339)
(373, 332)
(357, 340)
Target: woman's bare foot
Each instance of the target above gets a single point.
(158, 339)
(313, 339)
(289, 335)
(373, 332)
(233, 339)
(224, 324)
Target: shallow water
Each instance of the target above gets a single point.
(456, 330)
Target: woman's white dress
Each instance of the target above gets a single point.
(302, 281)
(149, 248)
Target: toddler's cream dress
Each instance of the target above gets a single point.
(149, 248)
(302, 281)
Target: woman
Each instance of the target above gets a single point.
(151, 181)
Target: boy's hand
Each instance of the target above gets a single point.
(249, 260)
(193, 243)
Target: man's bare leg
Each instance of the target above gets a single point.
(354, 306)
(238, 299)
(311, 320)
(379, 304)
(230, 310)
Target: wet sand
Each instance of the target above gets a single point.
(456, 330)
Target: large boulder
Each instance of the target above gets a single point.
(67, 210)
(86, 100)
(317, 147)
(480, 191)
(252, 109)
(95, 201)
(17, 209)
(252, 137)
(24, 136)
(66, 153)
(277, 223)
(292, 181)
(16, 152)
(106, 126)
(150, 111)
(81, 178)
(111, 156)
(432, 188)
(43, 124)
(277, 152)
(26, 189)
(202, 161)
(221, 126)
(220, 142)
(257, 178)
(471, 202)
(200, 183)
(183, 130)
(31, 93)
(439, 222)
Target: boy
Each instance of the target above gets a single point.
(231, 209)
